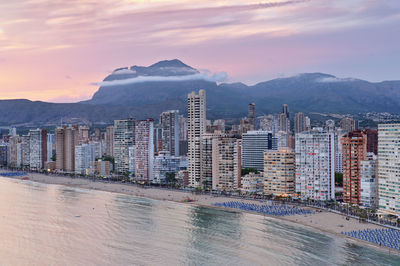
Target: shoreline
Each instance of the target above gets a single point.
(325, 221)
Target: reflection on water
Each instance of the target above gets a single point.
(49, 224)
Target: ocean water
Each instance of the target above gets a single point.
(57, 225)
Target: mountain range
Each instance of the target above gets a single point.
(143, 92)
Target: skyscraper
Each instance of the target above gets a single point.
(252, 115)
(110, 141)
(315, 165)
(169, 124)
(66, 140)
(354, 150)
(196, 128)
(372, 140)
(254, 143)
(389, 168)
(299, 123)
(144, 150)
(348, 124)
(37, 148)
(284, 119)
(124, 137)
(226, 163)
(279, 172)
(207, 158)
(285, 110)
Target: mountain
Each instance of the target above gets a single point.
(143, 92)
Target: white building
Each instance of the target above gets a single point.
(252, 183)
(315, 165)
(368, 181)
(389, 168)
(132, 160)
(124, 137)
(37, 148)
(254, 143)
(84, 158)
(165, 163)
(196, 128)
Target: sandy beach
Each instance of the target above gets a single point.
(324, 221)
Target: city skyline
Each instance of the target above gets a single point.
(54, 51)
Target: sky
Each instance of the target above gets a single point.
(56, 50)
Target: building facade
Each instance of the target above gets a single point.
(279, 172)
(169, 124)
(124, 137)
(196, 128)
(368, 181)
(144, 150)
(254, 143)
(389, 168)
(354, 149)
(226, 163)
(315, 165)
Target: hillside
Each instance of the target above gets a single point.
(143, 92)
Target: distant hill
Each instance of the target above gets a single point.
(143, 92)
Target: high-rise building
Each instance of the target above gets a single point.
(51, 141)
(37, 148)
(372, 140)
(25, 151)
(84, 158)
(196, 128)
(254, 143)
(285, 110)
(354, 145)
(14, 152)
(226, 163)
(368, 181)
(124, 137)
(83, 134)
(206, 171)
(144, 150)
(66, 140)
(279, 172)
(348, 124)
(169, 124)
(284, 123)
(132, 160)
(299, 123)
(110, 141)
(315, 165)
(389, 168)
(252, 115)
(3, 154)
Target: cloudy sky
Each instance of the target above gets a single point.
(55, 50)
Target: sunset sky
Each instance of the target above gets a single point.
(54, 50)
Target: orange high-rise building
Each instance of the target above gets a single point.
(354, 151)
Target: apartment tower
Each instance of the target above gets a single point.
(196, 127)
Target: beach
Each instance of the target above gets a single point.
(324, 221)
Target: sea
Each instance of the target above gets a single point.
(43, 224)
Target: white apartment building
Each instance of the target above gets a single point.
(315, 165)
(196, 127)
(389, 168)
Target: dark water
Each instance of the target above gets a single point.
(48, 224)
